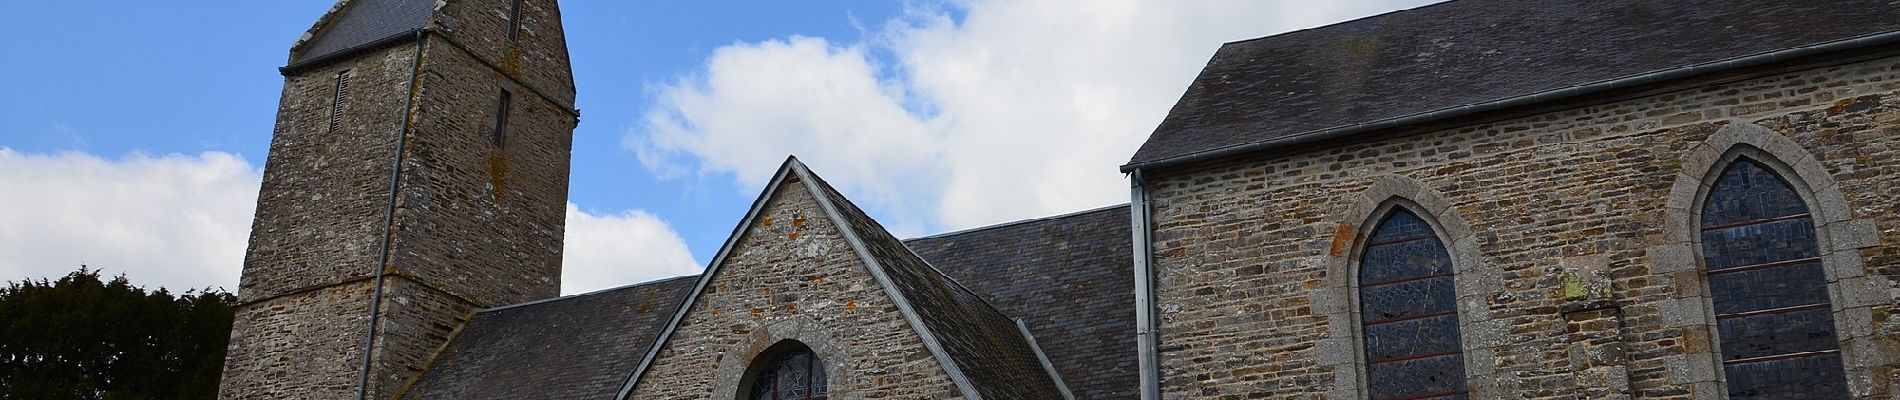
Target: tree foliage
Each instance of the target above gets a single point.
(81, 337)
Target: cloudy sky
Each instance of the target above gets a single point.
(134, 143)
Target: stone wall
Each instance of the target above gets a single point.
(305, 345)
(321, 207)
(416, 321)
(1567, 228)
(313, 249)
(478, 222)
(791, 275)
(537, 56)
(481, 220)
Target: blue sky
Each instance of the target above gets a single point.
(115, 77)
(133, 133)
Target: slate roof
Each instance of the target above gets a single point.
(362, 22)
(986, 346)
(1070, 277)
(1457, 53)
(573, 347)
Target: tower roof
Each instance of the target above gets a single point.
(1452, 56)
(353, 24)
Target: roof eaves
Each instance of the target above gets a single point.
(295, 67)
(1575, 91)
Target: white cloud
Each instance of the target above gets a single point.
(176, 221)
(756, 103)
(1018, 109)
(181, 222)
(608, 250)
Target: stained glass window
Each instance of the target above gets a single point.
(1409, 313)
(791, 374)
(1771, 302)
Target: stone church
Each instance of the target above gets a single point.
(1681, 199)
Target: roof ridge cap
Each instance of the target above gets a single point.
(1007, 224)
(584, 294)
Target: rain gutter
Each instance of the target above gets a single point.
(1753, 60)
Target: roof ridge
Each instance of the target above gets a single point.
(1007, 224)
(1379, 15)
(584, 294)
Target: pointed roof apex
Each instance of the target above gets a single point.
(986, 354)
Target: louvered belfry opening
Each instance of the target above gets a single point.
(339, 99)
(1770, 294)
(1409, 313)
(791, 373)
(514, 20)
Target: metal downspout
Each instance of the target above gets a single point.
(389, 223)
(1145, 339)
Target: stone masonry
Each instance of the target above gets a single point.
(1569, 228)
(477, 221)
(791, 275)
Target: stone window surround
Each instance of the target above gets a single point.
(1338, 298)
(832, 353)
(1851, 291)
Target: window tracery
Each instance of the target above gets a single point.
(790, 374)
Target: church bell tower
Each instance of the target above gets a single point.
(417, 173)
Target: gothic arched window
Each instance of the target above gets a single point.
(1409, 313)
(791, 372)
(1770, 295)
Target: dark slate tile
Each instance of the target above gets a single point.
(1463, 52)
(985, 344)
(1070, 278)
(363, 22)
(575, 347)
